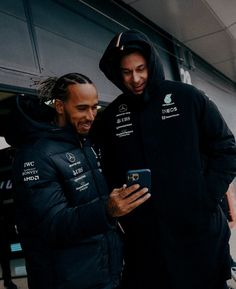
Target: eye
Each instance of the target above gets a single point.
(141, 68)
(81, 108)
(125, 72)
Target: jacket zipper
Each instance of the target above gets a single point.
(90, 165)
(108, 242)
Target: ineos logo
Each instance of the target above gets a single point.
(70, 157)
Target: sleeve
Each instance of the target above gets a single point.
(42, 205)
(231, 200)
(217, 143)
(225, 207)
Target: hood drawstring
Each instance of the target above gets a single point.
(118, 40)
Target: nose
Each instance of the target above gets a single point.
(136, 77)
(91, 114)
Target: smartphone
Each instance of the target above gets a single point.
(141, 177)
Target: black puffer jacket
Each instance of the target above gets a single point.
(61, 195)
(178, 133)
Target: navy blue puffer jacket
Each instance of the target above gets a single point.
(60, 194)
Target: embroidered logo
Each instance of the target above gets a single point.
(169, 109)
(167, 98)
(70, 157)
(123, 108)
(30, 172)
(123, 122)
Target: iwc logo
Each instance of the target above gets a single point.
(123, 108)
(70, 157)
(167, 98)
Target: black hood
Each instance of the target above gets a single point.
(109, 63)
(28, 120)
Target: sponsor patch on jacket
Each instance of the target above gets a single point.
(124, 126)
(82, 183)
(30, 172)
(74, 164)
(169, 109)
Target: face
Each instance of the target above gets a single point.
(134, 72)
(80, 108)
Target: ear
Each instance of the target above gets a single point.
(59, 106)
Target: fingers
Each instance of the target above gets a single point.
(130, 194)
(134, 196)
(130, 203)
(123, 200)
(139, 201)
(125, 192)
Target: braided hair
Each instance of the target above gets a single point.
(56, 88)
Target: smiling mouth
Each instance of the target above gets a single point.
(139, 88)
(86, 125)
(140, 85)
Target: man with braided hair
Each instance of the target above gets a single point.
(67, 227)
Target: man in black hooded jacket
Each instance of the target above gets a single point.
(69, 239)
(179, 238)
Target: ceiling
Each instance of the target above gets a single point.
(207, 27)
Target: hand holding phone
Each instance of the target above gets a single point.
(123, 200)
